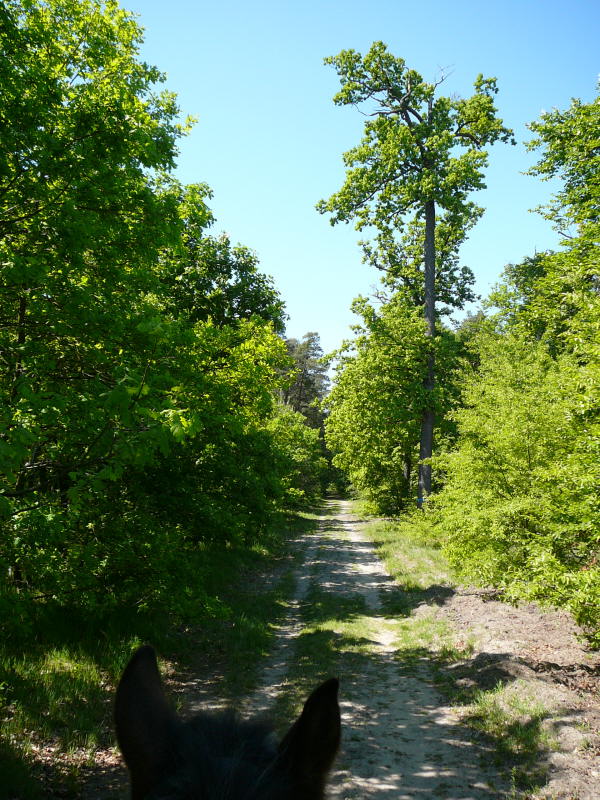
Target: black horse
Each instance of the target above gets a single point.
(219, 756)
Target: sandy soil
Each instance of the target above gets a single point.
(402, 741)
(544, 651)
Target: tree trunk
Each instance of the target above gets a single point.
(428, 419)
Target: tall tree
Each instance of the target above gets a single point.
(407, 166)
(310, 381)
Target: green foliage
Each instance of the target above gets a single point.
(520, 506)
(373, 408)
(411, 154)
(403, 269)
(408, 154)
(571, 152)
(564, 302)
(301, 462)
(84, 139)
(410, 548)
(208, 278)
(306, 389)
(140, 356)
(309, 383)
(376, 404)
(143, 455)
(194, 464)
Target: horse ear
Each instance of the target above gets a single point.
(310, 746)
(144, 722)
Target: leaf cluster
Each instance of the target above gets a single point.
(375, 406)
(411, 149)
(520, 505)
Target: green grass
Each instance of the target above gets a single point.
(411, 552)
(426, 637)
(61, 685)
(514, 720)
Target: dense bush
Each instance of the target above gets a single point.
(520, 507)
(521, 503)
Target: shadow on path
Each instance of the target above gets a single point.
(400, 738)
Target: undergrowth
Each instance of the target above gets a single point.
(59, 666)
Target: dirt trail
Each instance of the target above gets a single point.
(403, 741)
(400, 739)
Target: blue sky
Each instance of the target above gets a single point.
(269, 140)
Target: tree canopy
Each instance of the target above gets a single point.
(408, 153)
(142, 356)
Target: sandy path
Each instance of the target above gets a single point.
(400, 740)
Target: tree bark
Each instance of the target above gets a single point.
(428, 419)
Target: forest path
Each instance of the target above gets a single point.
(400, 739)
